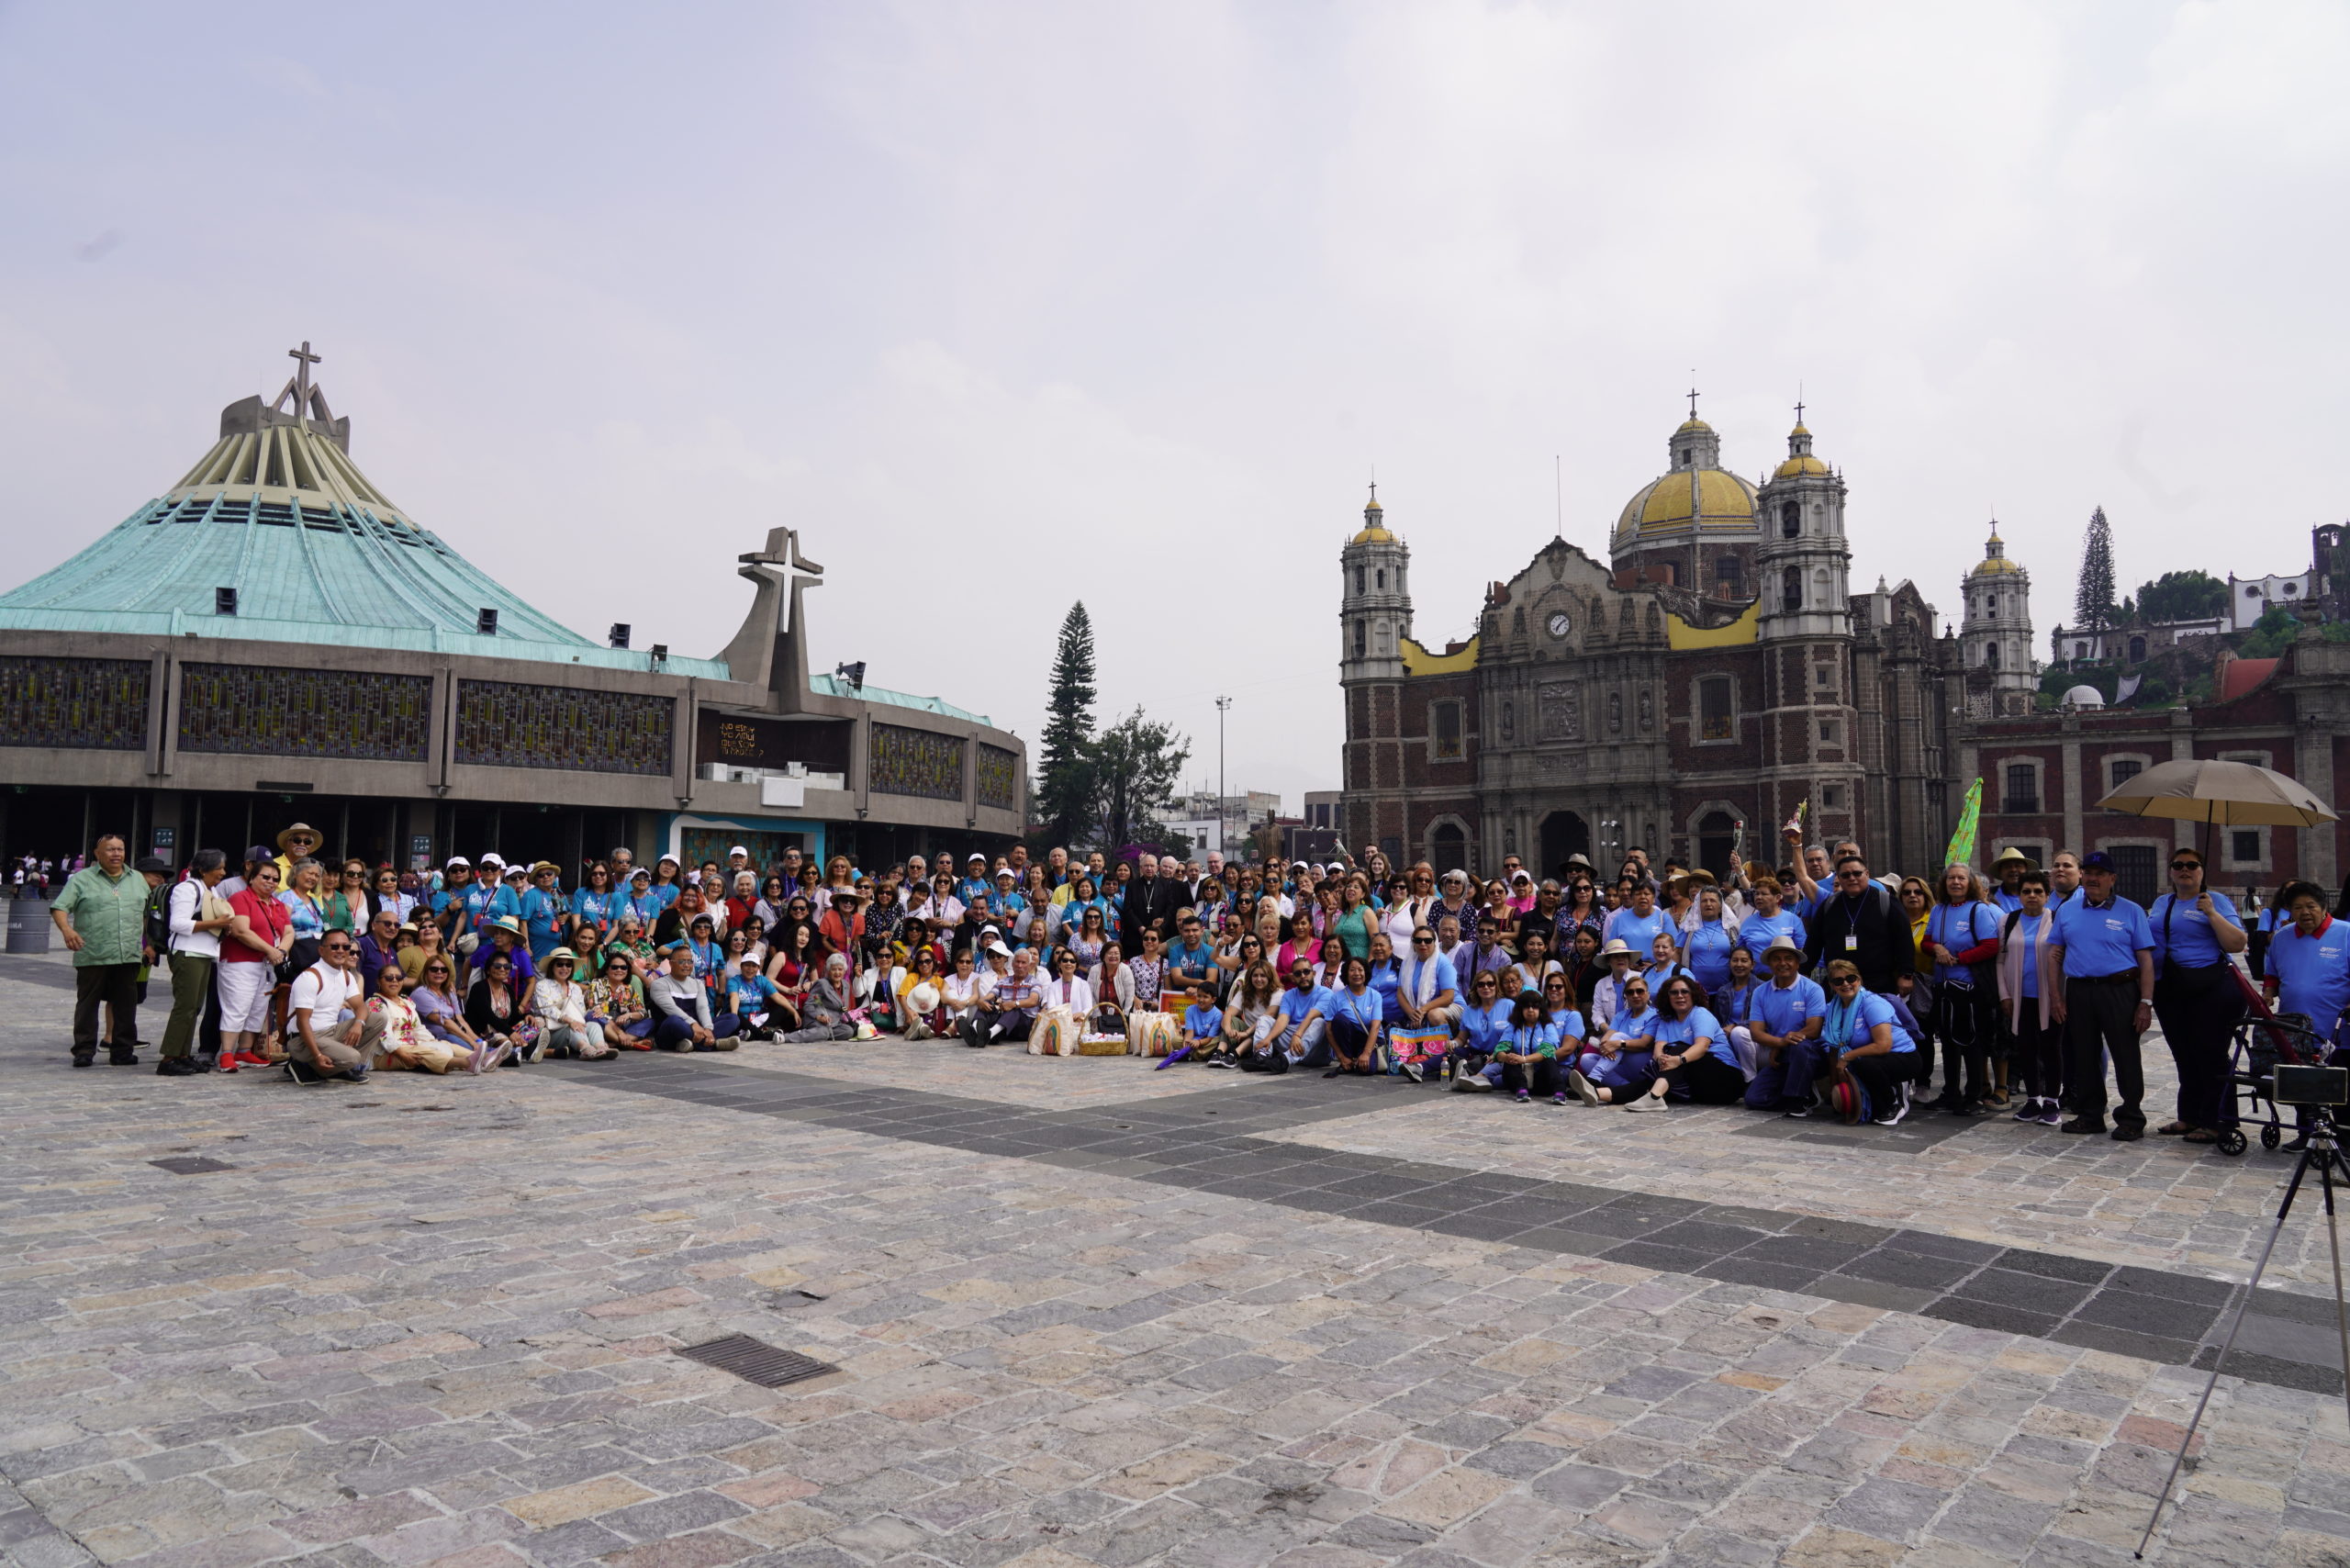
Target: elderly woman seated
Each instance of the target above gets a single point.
(825, 1014)
(1619, 1066)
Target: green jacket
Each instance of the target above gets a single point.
(109, 915)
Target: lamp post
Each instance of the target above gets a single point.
(1222, 706)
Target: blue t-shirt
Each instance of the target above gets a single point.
(1530, 1039)
(1296, 1006)
(2313, 973)
(1701, 1023)
(1706, 952)
(2009, 903)
(2028, 927)
(1784, 1012)
(1203, 1022)
(596, 908)
(1640, 932)
(1486, 1026)
(2183, 934)
(1735, 1005)
(1570, 1025)
(484, 905)
(1758, 931)
(2101, 941)
(1363, 1009)
(1637, 1025)
(1959, 926)
(745, 993)
(1190, 963)
(663, 895)
(541, 914)
(1408, 974)
(1383, 980)
(1848, 1028)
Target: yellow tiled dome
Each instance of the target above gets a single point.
(1687, 498)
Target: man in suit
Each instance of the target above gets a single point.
(1151, 900)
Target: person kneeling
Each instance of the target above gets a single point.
(825, 1014)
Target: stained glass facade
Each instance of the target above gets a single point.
(504, 724)
(259, 711)
(95, 704)
(916, 762)
(999, 778)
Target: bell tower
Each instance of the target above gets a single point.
(1995, 636)
(1803, 560)
(1374, 617)
(1812, 748)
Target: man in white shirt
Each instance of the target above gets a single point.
(195, 949)
(329, 1023)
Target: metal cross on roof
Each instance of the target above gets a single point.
(309, 399)
(1693, 400)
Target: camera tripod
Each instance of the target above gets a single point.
(2323, 1154)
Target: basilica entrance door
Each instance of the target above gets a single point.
(1717, 842)
(1563, 834)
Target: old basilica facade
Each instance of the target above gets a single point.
(1713, 671)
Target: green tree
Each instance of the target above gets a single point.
(2182, 596)
(2093, 605)
(2270, 633)
(1135, 765)
(1065, 790)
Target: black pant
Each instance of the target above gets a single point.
(116, 986)
(1347, 1038)
(1962, 1023)
(2038, 1054)
(2198, 1010)
(1883, 1076)
(2101, 1016)
(1540, 1076)
(986, 1028)
(1708, 1079)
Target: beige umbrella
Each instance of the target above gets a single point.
(2235, 794)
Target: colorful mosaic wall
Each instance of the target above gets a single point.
(916, 762)
(251, 709)
(507, 724)
(92, 705)
(999, 778)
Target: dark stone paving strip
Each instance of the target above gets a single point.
(1182, 1141)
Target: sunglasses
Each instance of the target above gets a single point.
(334, 947)
(2187, 864)
(1423, 941)
(1845, 979)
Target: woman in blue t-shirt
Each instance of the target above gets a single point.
(1693, 1049)
(1863, 1042)
(1559, 1006)
(1483, 1021)
(1619, 1068)
(1962, 932)
(1706, 946)
(1769, 921)
(1530, 1052)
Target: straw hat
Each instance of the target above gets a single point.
(313, 835)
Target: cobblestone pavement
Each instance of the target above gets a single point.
(435, 1320)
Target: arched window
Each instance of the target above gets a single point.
(1448, 848)
(2137, 650)
(1382, 579)
(1791, 520)
(1362, 639)
(1359, 579)
(1791, 590)
(1991, 655)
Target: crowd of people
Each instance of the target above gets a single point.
(1813, 987)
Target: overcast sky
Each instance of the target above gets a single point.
(1004, 306)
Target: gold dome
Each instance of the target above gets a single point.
(1706, 498)
(1372, 535)
(1694, 423)
(1374, 523)
(1995, 559)
(1796, 466)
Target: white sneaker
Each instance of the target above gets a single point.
(1412, 1071)
(1583, 1089)
(1647, 1102)
(1901, 1109)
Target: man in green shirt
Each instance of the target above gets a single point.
(102, 915)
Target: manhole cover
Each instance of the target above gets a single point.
(756, 1360)
(189, 1165)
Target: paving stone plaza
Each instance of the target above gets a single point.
(1082, 1312)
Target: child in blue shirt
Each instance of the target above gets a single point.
(747, 995)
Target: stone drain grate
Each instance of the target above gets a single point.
(756, 1360)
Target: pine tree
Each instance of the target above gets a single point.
(1065, 782)
(2093, 599)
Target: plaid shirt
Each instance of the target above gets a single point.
(1018, 996)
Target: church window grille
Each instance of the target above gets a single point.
(1446, 717)
(1359, 579)
(1729, 577)
(1713, 709)
(1518, 619)
(2123, 769)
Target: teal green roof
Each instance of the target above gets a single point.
(277, 512)
(834, 686)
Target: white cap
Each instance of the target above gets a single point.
(493, 858)
(741, 850)
(999, 948)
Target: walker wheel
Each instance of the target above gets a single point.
(2270, 1136)
(2232, 1141)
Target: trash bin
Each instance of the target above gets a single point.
(28, 926)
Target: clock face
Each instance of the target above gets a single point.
(1560, 624)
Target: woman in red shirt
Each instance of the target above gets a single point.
(255, 945)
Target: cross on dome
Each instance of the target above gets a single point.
(309, 398)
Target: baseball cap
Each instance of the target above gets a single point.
(2096, 860)
(999, 948)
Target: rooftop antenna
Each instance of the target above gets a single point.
(1559, 479)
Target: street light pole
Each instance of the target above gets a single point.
(1222, 706)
